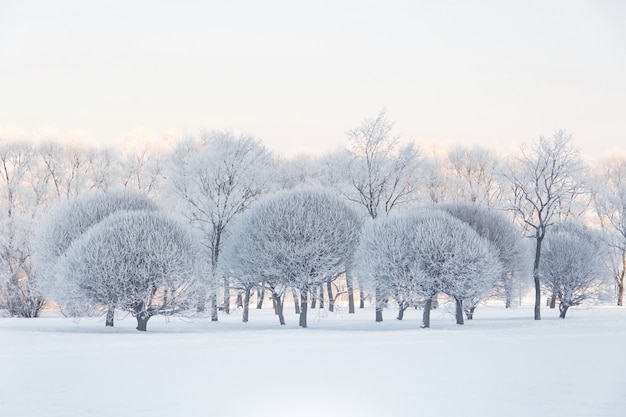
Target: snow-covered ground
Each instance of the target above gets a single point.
(503, 363)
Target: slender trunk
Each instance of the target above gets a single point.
(246, 304)
(321, 297)
(507, 302)
(331, 300)
(539, 239)
(313, 298)
(361, 299)
(620, 281)
(459, 310)
(239, 300)
(214, 306)
(350, 285)
(426, 315)
(296, 303)
(469, 313)
(303, 307)
(553, 301)
(278, 306)
(110, 316)
(260, 297)
(379, 306)
(563, 310)
(226, 306)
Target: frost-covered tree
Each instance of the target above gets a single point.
(507, 239)
(299, 238)
(21, 196)
(214, 178)
(65, 223)
(545, 181)
(139, 261)
(474, 175)
(572, 266)
(610, 204)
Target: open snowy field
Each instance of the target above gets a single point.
(502, 363)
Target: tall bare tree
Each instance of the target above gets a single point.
(545, 182)
(215, 178)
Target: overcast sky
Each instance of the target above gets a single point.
(299, 74)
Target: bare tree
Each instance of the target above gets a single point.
(545, 182)
(215, 178)
(610, 205)
(474, 171)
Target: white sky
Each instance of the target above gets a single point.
(299, 74)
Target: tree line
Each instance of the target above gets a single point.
(379, 220)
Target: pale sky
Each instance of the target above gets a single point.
(299, 74)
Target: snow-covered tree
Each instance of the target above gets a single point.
(215, 178)
(507, 239)
(610, 204)
(21, 197)
(544, 181)
(140, 261)
(474, 175)
(65, 223)
(572, 267)
(299, 238)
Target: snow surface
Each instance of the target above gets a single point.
(502, 363)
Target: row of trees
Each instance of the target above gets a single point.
(208, 181)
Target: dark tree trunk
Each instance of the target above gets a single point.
(402, 308)
(331, 300)
(246, 304)
(296, 302)
(459, 310)
(379, 306)
(142, 321)
(426, 315)
(303, 307)
(469, 313)
(539, 239)
(563, 310)
(239, 301)
(278, 308)
(321, 297)
(507, 302)
(350, 285)
(110, 317)
(260, 297)
(553, 301)
(361, 299)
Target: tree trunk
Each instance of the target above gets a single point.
(110, 317)
(469, 313)
(214, 306)
(620, 281)
(361, 299)
(296, 303)
(539, 239)
(226, 306)
(142, 321)
(239, 301)
(459, 310)
(563, 310)
(331, 300)
(426, 315)
(303, 307)
(350, 285)
(379, 306)
(402, 307)
(313, 298)
(553, 301)
(321, 297)
(278, 308)
(246, 304)
(260, 297)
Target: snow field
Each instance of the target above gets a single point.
(502, 363)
